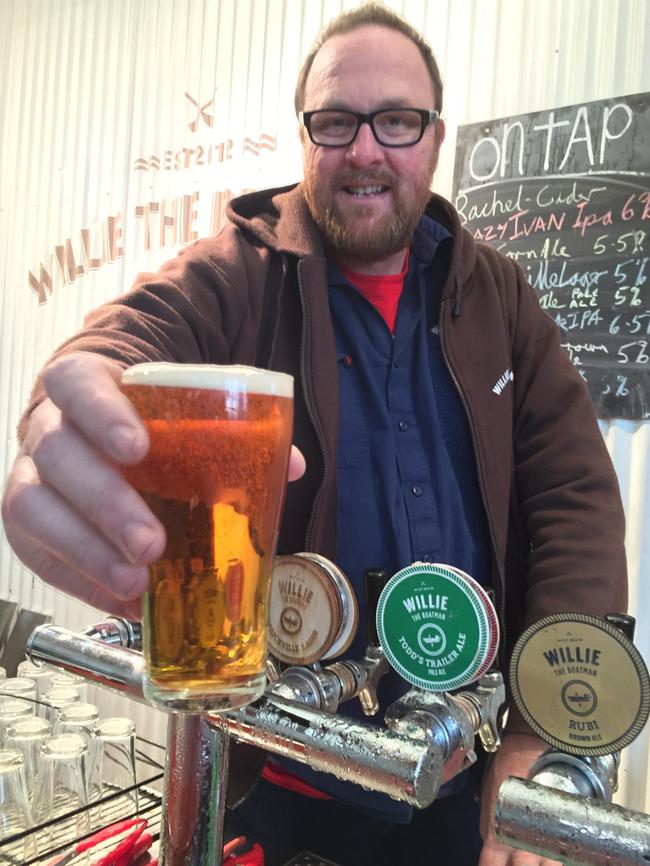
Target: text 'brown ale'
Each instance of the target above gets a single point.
(215, 477)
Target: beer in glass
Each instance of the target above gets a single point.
(215, 476)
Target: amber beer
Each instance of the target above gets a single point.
(215, 476)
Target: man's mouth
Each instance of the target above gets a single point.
(363, 191)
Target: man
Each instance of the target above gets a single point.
(367, 289)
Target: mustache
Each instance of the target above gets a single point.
(369, 178)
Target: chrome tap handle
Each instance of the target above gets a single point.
(491, 693)
(374, 580)
(117, 631)
(374, 661)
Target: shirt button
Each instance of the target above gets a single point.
(416, 491)
(403, 426)
(427, 558)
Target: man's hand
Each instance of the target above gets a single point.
(517, 754)
(69, 514)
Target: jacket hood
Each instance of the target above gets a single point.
(280, 220)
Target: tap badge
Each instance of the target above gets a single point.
(437, 626)
(580, 684)
(313, 611)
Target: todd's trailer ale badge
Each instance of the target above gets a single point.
(437, 626)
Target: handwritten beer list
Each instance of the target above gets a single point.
(566, 192)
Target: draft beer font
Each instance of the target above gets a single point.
(215, 476)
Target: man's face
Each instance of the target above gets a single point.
(366, 198)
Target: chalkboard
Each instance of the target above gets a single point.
(566, 192)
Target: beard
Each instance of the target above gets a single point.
(346, 234)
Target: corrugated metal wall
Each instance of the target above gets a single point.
(126, 125)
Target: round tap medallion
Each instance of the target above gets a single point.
(580, 683)
(436, 626)
(313, 612)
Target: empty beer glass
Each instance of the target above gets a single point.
(115, 766)
(58, 698)
(12, 710)
(63, 784)
(215, 476)
(64, 679)
(27, 736)
(20, 687)
(81, 719)
(40, 674)
(14, 809)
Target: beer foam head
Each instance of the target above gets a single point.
(211, 377)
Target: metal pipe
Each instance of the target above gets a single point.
(194, 799)
(576, 830)
(405, 766)
(116, 667)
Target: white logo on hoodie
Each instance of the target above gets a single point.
(502, 381)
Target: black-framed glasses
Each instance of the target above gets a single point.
(392, 127)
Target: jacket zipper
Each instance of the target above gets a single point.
(501, 594)
(312, 414)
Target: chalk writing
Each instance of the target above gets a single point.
(566, 194)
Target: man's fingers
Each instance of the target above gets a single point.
(62, 577)
(495, 854)
(32, 510)
(297, 464)
(85, 387)
(66, 462)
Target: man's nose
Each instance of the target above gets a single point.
(365, 149)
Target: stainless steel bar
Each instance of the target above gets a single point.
(404, 767)
(576, 830)
(194, 799)
(113, 666)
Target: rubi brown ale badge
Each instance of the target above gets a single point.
(580, 684)
(215, 477)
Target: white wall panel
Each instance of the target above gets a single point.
(102, 136)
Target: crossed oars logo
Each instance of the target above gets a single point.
(201, 112)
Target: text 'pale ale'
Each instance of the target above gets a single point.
(215, 477)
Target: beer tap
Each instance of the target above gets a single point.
(582, 686)
(453, 720)
(297, 582)
(374, 662)
(117, 631)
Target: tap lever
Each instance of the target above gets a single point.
(374, 581)
(623, 621)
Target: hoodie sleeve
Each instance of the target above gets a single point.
(566, 487)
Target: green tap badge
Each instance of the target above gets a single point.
(436, 626)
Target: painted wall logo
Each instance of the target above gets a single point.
(201, 112)
(161, 222)
(205, 153)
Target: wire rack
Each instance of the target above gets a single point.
(39, 845)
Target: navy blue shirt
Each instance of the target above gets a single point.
(407, 476)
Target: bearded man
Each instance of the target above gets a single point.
(396, 325)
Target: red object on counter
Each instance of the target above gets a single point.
(253, 857)
(132, 845)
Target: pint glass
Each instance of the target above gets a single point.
(215, 476)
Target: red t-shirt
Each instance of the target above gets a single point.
(382, 290)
